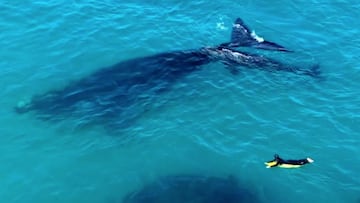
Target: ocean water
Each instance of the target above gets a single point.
(211, 122)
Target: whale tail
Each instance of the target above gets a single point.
(242, 35)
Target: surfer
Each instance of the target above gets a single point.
(279, 162)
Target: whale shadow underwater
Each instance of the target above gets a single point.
(193, 189)
(116, 96)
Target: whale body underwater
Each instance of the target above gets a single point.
(111, 95)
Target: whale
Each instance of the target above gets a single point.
(121, 93)
(179, 188)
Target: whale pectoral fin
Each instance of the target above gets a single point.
(242, 35)
(231, 67)
(233, 70)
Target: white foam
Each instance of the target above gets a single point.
(221, 26)
(256, 37)
(237, 26)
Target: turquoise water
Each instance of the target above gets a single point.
(211, 123)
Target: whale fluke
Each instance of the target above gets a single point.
(242, 35)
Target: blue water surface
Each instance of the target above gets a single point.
(211, 122)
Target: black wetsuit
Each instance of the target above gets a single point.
(280, 161)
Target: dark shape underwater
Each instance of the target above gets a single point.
(115, 96)
(192, 189)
